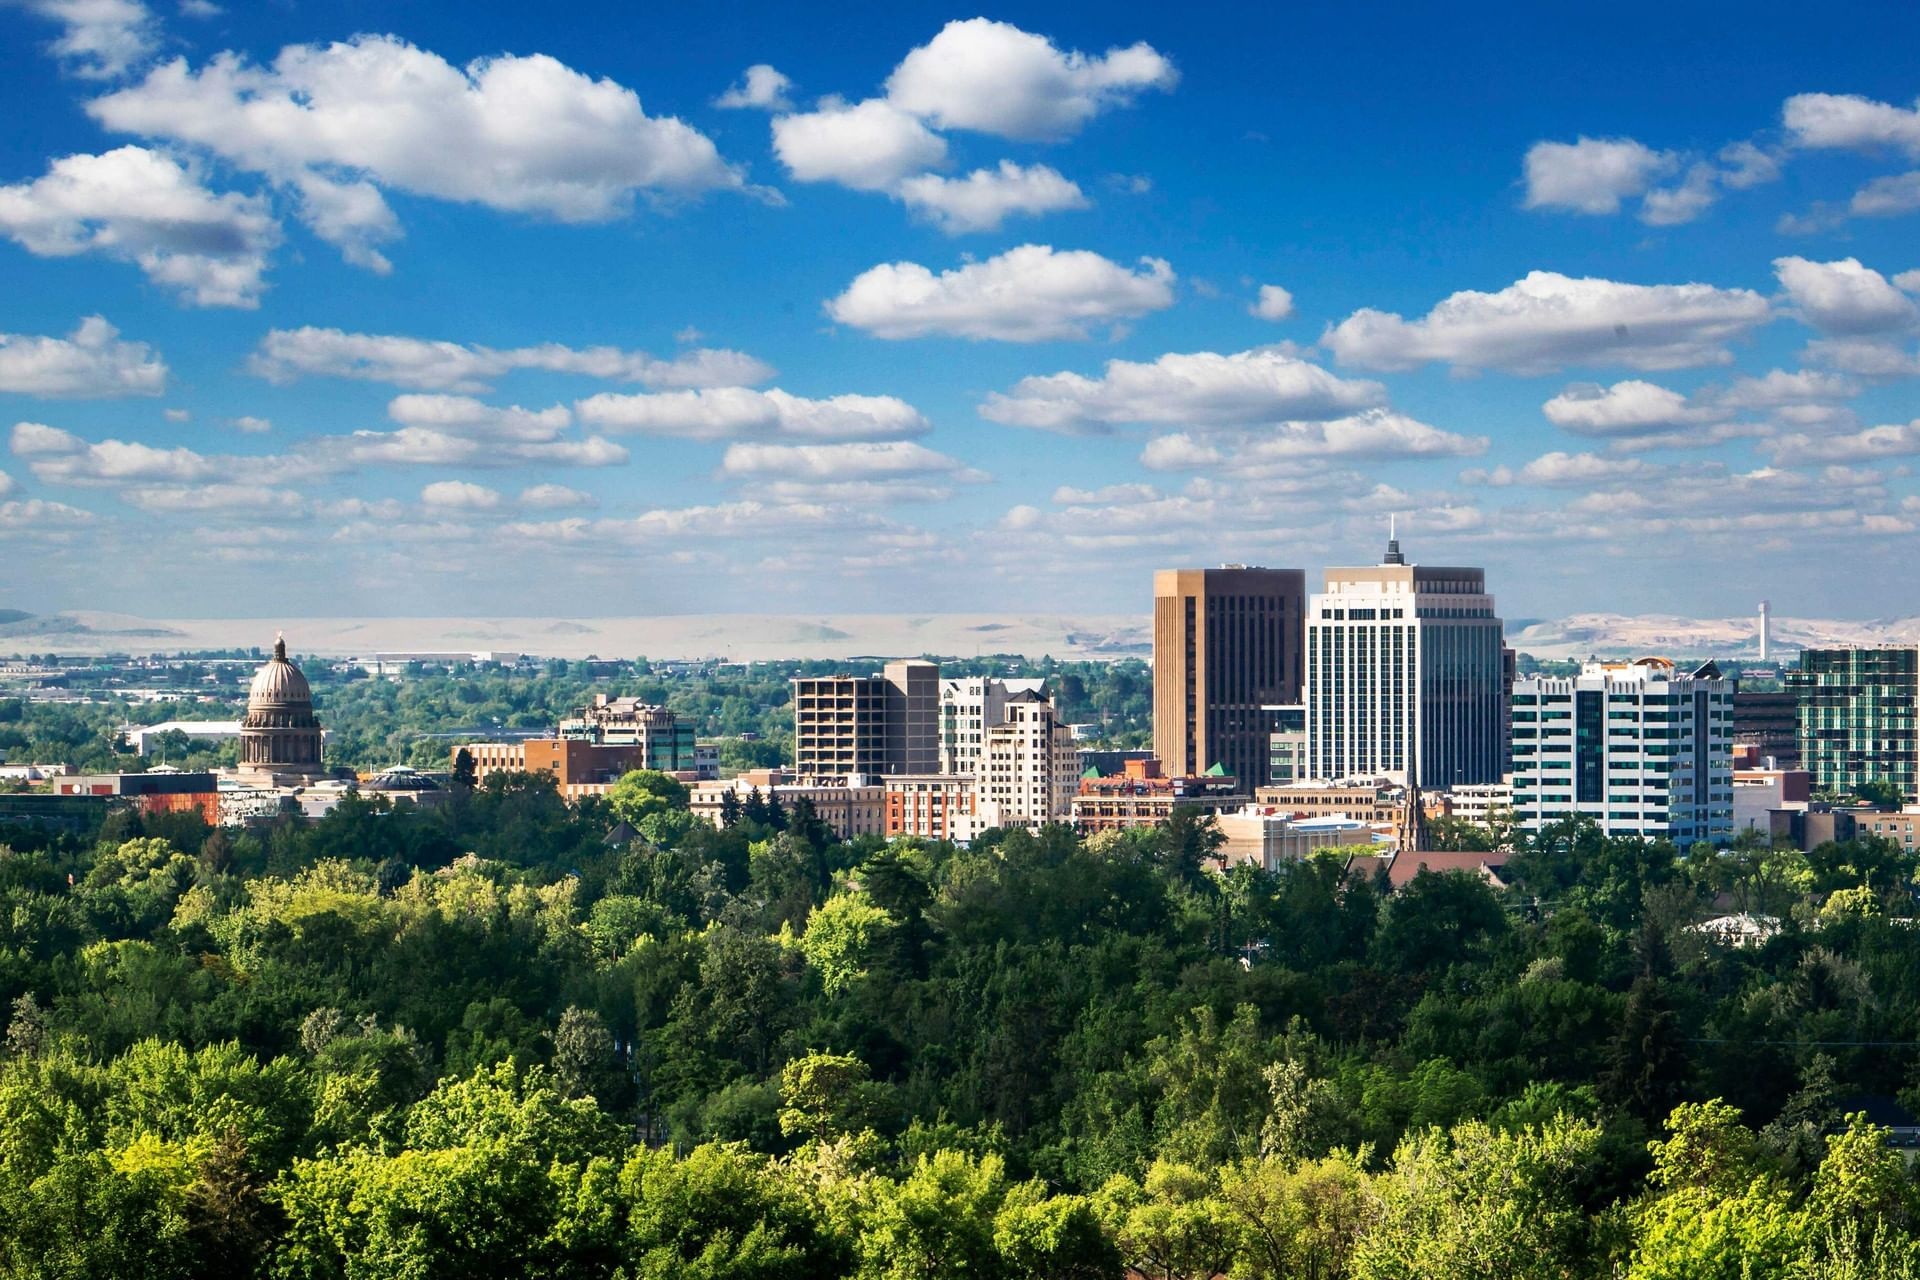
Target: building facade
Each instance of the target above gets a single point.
(665, 742)
(1032, 768)
(1406, 675)
(1768, 721)
(1638, 747)
(969, 707)
(1226, 648)
(1859, 712)
(1141, 795)
(933, 806)
(849, 808)
(876, 725)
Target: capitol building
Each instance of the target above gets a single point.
(280, 736)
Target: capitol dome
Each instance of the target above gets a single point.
(279, 683)
(280, 737)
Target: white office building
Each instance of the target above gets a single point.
(1405, 676)
(1032, 768)
(1638, 747)
(968, 709)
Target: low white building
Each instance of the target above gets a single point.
(142, 738)
(1638, 747)
(1265, 839)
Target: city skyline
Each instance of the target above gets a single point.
(381, 310)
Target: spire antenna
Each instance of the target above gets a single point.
(1393, 555)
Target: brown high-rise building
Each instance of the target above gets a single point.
(1227, 644)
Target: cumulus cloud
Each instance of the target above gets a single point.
(338, 122)
(1888, 197)
(286, 355)
(1848, 121)
(252, 426)
(1199, 389)
(1565, 470)
(1844, 297)
(742, 521)
(832, 463)
(759, 87)
(6, 484)
(1028, 294)
(1547, 321)
(729, 412)
(991, 77)
(36, 515)
(1628, 408)
(460, 495)
(1376, 433)
(1274, 303)
(425, 446)
(983, 199)
(90, 363)
(1867, 357)
(215, 499)
(1672, 206)
(463, 415)
(102, 39)
(1591, 175)
(1891, 441)
(869, 146)
(60, 457)
(144, 207)
(554, 497)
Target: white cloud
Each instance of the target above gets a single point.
(1179, 452)
(1565, 470)
(1872, 444)
(1851, 122)
(90, 363)
(1068, 496)
(760, 87)
(425, 446)
(1376, 433)
(459, 495)
(991, 77)
(1274, 303)
(215, 498)
(1888, 197)
(1199, 389)
(1673, 206)
(1028, 294)
(1747, 166)
(143, 207)
(172, 415)
(463, 415)
(1591, 175)
(200, 9)
(1844, 297)
(103, 38)
(1547, 321)
(60, 457)
(869, 146)
(554, 497)
(286, 355)
(6, 484)
(728, 412)
(37, 515)
(744, 521)
(520, 134)
(1778, 389)
(1628, 408)
(832, 463)
(982, 200)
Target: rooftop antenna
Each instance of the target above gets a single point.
(1393, 555)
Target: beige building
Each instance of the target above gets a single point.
(969, 707)
(850, 809)
(1032, 767)
(1142, 796)
(935, 806)
(1374, 801)
(1266, 840)
(1227, 645)
(874, 725)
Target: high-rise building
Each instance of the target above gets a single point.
(1768, 721)
(876, 725)
(1226, 647)
(664, 740)
(1638, 747)
(1860, 717)
(1032, 768)
(1405, 675)
(968, 708)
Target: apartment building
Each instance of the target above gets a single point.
(1859, 717)
(874, 725)
(969, 707)
(1032, 766)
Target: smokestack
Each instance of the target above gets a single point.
(1766, 629)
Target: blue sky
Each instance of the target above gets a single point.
(936, 310)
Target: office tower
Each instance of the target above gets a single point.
(1769, 722)
(1405, 675)
(1032, 770)
(665, 741)
(968, 708)
(1226, 646)
(875, 725)
(1638, 747)
(1860, 717)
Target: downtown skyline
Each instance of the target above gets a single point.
(378, 309)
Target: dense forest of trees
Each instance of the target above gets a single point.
(482, 1040)
(417, 720)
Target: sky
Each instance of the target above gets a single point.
(430, 309)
